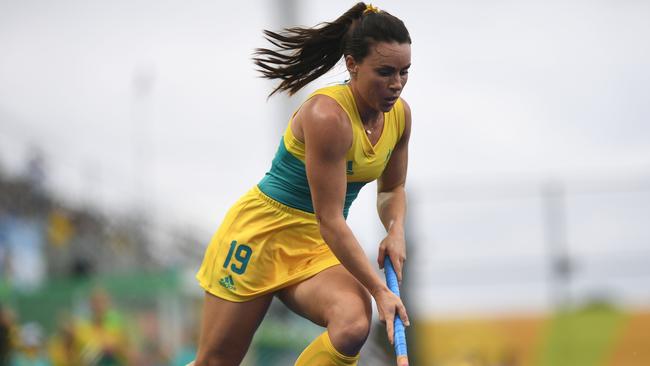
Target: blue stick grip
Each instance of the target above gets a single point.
(393, 285)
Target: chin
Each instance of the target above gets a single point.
(386, 107)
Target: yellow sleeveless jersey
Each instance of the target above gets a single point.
(270, 238)
(286, 181)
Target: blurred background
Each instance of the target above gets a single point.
(127, 128)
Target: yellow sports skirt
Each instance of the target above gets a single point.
(262, 246)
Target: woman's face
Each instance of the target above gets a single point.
(380, 78)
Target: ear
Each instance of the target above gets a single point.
(351, 65)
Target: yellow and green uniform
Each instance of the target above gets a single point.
(270, 238)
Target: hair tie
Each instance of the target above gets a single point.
(371, 9)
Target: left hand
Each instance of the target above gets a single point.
(393, 246)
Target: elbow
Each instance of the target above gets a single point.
(330, 225)
(384, 196)
(400, 187)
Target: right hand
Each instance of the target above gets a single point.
(389, 304)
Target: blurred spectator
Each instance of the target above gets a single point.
(35, 169)
(103, 337)
(43, 238)
(6, 342)
(30, 349)
(151, 352)
(87, 245)
(64, 347)
(60, 229)
(26, 257)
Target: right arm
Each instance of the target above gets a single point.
(328, 136)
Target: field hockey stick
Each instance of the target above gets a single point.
(399, 336)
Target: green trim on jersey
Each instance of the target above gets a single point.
(286, 182)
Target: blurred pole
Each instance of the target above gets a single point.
(93, 184)
(554, 206)
(286, 15)
(286, 12)
(143, 81)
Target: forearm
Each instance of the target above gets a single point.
(391, 207)
(346, 248)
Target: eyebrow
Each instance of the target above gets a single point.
(392, 67)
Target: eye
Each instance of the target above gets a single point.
(385, 72)
(404, 72)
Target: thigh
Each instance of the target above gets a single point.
(333, 294)
(227, 329)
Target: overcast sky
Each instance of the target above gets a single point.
(159, 102)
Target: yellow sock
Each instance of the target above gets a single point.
(321, 352)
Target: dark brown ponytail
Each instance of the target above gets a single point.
(304, 54)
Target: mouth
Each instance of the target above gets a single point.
(391, 99)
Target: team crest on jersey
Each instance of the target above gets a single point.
(228, 283)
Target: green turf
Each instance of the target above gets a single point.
(580, 338)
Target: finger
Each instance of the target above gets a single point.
(401, 310)
(381, 256)
(389, 329)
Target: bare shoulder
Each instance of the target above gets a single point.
(321, 120)
(407, 120)
(407, 111)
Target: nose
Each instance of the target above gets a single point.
(396, 83)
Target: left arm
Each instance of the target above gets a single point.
(391, 201)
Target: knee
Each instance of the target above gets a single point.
(348, 337)
(349, 328)
(354, 330)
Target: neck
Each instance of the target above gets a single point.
(369, 115)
